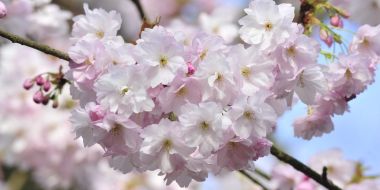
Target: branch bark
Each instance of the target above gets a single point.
(246, 174)
(303, 168)
(35, 45)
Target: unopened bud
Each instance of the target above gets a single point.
(190, 69)
(47, 86)
(38, 97)
(340, 23)
(96, 113)
(329, 41)
(55, 103)
(3, 10)
(40, 80)
(45, 100)
(335, 20)
(28, 84)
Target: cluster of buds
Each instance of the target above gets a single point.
(311, 16)
(50, 86)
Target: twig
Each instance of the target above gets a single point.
(139, 8)
(41, 47)
(252, 179)
(303, 168)
(262, 174)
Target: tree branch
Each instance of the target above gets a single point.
(303, 168)
(252, 179)
(41, 47)
(139, 8)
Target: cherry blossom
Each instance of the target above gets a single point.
(266, 23)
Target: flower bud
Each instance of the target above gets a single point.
(335, 20)
(45, 100)
(340, 23)
(40, 80)
(38, 97)
(47, 86)
(55, 103)
(28, 84)
(329, 41)
(96, 113)
(190, 68)
(3, 10)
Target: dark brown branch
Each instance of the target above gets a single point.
(252, 179)
(35, 45)
(303, 168)
(139, 8)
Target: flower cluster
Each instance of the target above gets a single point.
(187, 108)
(347, 77)
(37, 19)
(37, 143)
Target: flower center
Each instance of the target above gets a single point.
(182, 91)
(249, 115)
(163, 61)
(204, 125)
(246, 71)
(310, 110)
(124, 90)
(219, 77)
(268, 26)
(116, 129)
(291, 51)
(87, 62)
(348, 74)
(99, 34)
(365, 42)
(167, 144)
(203, 54)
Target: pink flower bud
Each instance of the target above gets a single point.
(190, 68)
(40, 80)
(340, 23)
(28, 84)
(328, 41)
(45, 100)
(38, 97)
(3, 10)
(335, 20)
(47, 86)
(96, 113)
(55, 103)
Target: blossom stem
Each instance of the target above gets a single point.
(303, 168)
(41, 47)
(253, 179)
(139, 8)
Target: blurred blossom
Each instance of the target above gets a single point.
(362, 12)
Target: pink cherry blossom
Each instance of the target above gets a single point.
(266, 23)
